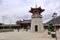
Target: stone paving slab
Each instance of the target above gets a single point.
(23, 35)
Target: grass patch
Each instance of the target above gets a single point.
(6, 30)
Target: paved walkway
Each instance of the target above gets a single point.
(23, 35)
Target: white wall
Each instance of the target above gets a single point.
(37, 21)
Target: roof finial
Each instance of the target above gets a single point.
(36, 5)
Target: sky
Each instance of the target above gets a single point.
(14, 10)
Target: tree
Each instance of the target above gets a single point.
(51, 28)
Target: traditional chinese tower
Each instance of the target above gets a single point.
(36, 22)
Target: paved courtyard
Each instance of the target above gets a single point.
(23, 35)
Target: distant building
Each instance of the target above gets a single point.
(23, 23)
(45, 25)
(9, 26)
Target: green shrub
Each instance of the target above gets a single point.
(6, 30)
(51, 28)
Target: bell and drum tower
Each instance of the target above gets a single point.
(36, 21)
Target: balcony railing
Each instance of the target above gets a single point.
(36, 16)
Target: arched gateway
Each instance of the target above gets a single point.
(36, 21)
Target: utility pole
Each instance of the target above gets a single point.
(10, 24)
(54, 17)
(3, 20)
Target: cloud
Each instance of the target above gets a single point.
(19, 9)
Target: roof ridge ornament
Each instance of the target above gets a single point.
(36, 5)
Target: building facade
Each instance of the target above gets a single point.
(36, 21)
